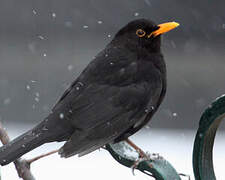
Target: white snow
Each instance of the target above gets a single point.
(41, 37)
(100, 22)
(36, 99)
(70, 67)
(136, 14)
(174, 114)
(34, 12)
(61, 115)
(7, 101)
(174, 145)
(54, 15)
(28, 87)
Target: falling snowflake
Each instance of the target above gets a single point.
(61, 115)
(6, 101)
(174, 114)
(36, 99)
(100, 22)
(136, 14)
(34, 12)
(54, 15)
(70, 67)
(41, 37)
(223, 26)
(28, 87)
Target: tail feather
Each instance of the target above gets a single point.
(19, 146)
(46, 131)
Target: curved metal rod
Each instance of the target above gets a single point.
(155, 166)
(204, 140)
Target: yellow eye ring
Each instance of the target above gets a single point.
(140, 33)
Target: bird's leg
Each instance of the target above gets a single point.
(141, 153)
(41, 156)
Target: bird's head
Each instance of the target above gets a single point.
(143, 33)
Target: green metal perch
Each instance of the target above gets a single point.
(204, 140)
(155, 166)
(161, 169)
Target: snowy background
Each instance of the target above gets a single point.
(174, 145)
(44, 45)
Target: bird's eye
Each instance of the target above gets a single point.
(140, 33)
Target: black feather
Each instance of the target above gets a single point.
(115, 96)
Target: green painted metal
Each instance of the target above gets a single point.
(155, 166)
(204, 140)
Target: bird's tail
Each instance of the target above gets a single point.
(42, 133)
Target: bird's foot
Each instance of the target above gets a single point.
(138, 161)
(141, 153)
(143, 156)
(147, 157)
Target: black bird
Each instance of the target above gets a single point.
(115, 96)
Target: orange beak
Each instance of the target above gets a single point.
(163, 28)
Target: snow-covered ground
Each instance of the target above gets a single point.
(174, 145)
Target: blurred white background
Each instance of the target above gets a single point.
(174, 145)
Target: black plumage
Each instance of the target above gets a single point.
(115, 96)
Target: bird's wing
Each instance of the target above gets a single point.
(107, 99)
(100, 69)
(101, 113)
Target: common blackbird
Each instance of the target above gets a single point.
(115, 96)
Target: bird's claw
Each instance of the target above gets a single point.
(146, 157)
